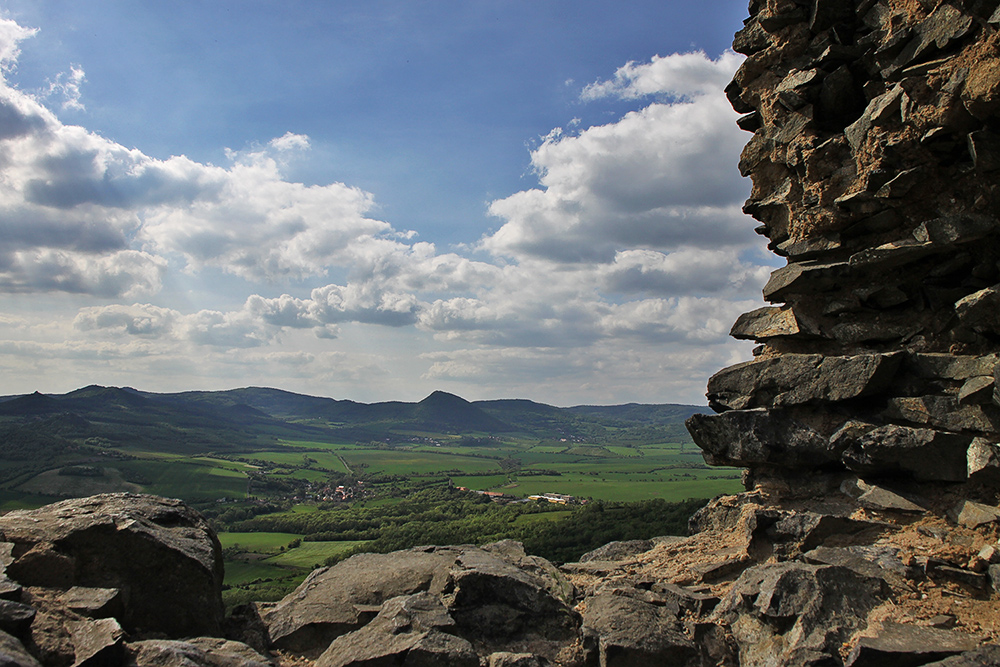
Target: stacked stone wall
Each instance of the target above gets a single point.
(875, 161)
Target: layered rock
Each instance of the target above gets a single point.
(872, 397)
(875, 159)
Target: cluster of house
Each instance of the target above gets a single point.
(340, 493)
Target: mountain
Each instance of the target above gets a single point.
(255, 417)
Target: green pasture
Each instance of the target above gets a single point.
(184, 478)
(238, 572)
(326, 459)
(480, 483)
(394, 462)
(311, 554)
(314, 444)
(257, 542)
(627, 452)
(526, 519)
(621, 488)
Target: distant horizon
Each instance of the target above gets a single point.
(213, 391)
(492, 199)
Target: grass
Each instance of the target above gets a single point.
(395, 462)
(257, 542)
(311, 553)
(525, 519)
(243, 573)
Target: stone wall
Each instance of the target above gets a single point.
(875, 161)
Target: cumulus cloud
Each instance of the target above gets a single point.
(681, 75)
(73, 194)
(660, 177)
(628, 262)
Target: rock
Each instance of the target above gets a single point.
(983, 460)
(197, 652)
(973, 515)
(407, 631)
(245, 625)
(13, 653)
(974, 580)
(757, 437)
(495, 594)
(9, 590)
(979, 310)
(844, 558)
(923, 454)
(686, 599)
(804, 277)
(93, 602)
(764, 323)
(16, 618)
(323, 606)
(978, 389)
(984, 148)
(631, 632)
(993, 574)
(795, 614)
(977, 657)
(795, 379)
(507, 659)
(955, 229)
(494, 601)
(902, 645)
(99, 642)
(162, 555)
(615, 551)
(873, 497)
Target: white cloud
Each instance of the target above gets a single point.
(626, 265)
(681, 75)
(66, 86)
(659, 178)
(11, 36)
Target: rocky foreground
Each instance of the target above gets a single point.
(864, 577)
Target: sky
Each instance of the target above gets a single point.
(522, 199)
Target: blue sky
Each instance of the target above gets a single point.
(521, 199)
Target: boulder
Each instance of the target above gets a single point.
(898, 645)
(631, 632)
(409, 630)
(792, 614)
(497, 602)
(615, 551)
(197, 652)
(496, 595)
(325, 605)
(13, 653)
(160, 554)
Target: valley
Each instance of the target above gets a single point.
(292, 482)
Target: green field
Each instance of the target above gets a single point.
(311, 554)
(257, 542)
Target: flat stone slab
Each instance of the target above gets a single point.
(898, 645)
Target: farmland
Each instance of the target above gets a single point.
(293, 481)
